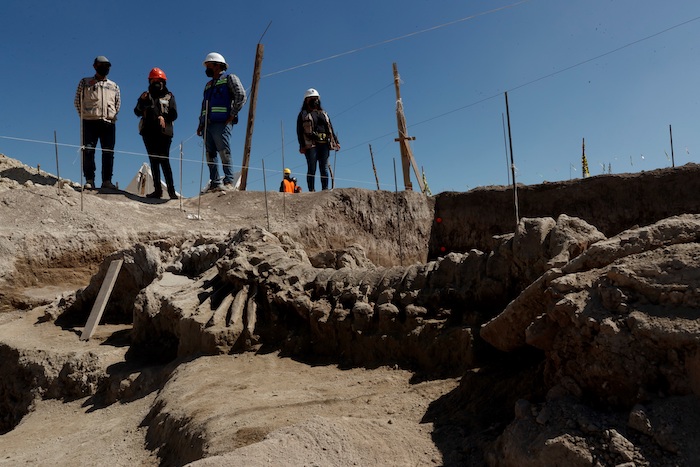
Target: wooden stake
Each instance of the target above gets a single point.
(505, 145)
(512, 165)
(374, 167)
(284, 195)
(673, 160)
(398, 215)
(58, 174)
(251, 116)
(267, 212)
(181, 176)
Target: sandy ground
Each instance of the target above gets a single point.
(249, 409)
(264, 409)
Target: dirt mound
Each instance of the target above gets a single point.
(350, 327)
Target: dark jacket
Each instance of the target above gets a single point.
(153, 106)
(314, 127)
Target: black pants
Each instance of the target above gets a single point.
(105, 132)
(158, 148)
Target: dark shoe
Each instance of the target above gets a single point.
(173, 196)
(108, 185)
(154, 195)
(89, 185)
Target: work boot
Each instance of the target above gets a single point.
(89, 185)
(172, 194)
(109, 185)
(155, 194)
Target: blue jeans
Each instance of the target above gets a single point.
(318, 154)
(217, 140)
(105, 132)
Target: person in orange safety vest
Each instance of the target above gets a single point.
(289, 183)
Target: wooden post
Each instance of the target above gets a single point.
(673, 160)
(505, 146)
(101, 302)
(267, 212)
(251, 116)
(512, 165)
(58, 174)
(398, 215)
(407, 159)
(374, 167)
(284, 195)
(181, 195)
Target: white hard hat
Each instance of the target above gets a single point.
(311, 92)
(215, 57)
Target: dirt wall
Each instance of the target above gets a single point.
(612, 203)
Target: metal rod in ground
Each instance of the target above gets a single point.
(374, 167)
(267, 212)
(82, 152)
(673, 160)
(204, 153)
(180, 175)
(512, 166)
(505, 146)
(58, 174)
(284, 194)
(335, 155)
(398, 215)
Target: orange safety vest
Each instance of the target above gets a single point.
(288, 186)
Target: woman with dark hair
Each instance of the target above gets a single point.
(316, 138)
(158, 110)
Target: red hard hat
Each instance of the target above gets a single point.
(157, 73)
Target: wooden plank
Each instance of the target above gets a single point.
(101, 302)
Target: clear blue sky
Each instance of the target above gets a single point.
(615, 72)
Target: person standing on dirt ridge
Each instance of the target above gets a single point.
(158, 110)
(289, 183)
(224, 97)
(316, 138)
(97, 101)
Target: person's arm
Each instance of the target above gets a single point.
(172, 110)
(202, 113)
(300, 132)
(143, 103)
(238, 97)
(334, 143)
(117, 99)
(77, 101)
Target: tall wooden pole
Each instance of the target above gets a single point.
(407, 159)
(251, 116)
(512, 165)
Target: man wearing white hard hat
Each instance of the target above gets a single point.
(224, 96)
